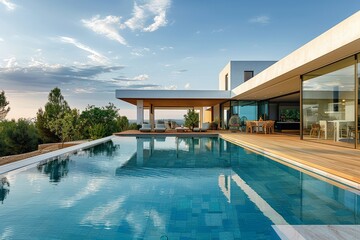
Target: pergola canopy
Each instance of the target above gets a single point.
(174, 98)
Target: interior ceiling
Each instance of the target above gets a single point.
(170, 103)
(287, 98)
(272, 89)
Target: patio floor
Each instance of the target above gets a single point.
(331, 160)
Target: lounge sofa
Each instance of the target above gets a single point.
(160, 127)
(145, 127)
(204, 128)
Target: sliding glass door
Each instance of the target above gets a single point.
(329, 105)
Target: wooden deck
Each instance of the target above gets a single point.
(337, 161)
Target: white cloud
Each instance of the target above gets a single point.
(217, 30)
(141, 77)
(172, 87)
(155, 9)
(84, 90)
(260, 20)
(166, 48)
(105, 215)
(108, 26)
(180, 71)
(9, 5)
(187, 85)
(139, 51)
(2, 40)
(10, 62)
(95, 56)
(92, 187)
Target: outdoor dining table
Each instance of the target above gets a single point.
(258, 126)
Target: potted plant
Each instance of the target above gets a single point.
(191, 119)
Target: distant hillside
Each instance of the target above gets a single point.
(178, 121)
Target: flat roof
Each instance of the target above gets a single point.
(283, 77)
(174, 98)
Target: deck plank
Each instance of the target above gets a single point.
(339, 161)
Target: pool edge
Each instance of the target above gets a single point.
(294, 162)
(50, 155)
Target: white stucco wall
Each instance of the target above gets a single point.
(236, 69)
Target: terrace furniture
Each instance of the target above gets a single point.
(351, 134)
(160, 127)
(145, 127)
(234, 123)
(259, 125)
(269, 126)
(182, 129)
(204, 128)
(315, 130)
(338, 128)
(243, 120)
(250, 125)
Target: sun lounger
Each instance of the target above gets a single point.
(145, 128)
(204, 128)
(160, 127)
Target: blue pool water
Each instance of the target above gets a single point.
(173, 188)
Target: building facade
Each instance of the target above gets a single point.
(313, 90)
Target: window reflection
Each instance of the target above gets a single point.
(329, 104)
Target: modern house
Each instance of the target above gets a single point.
(314, 89)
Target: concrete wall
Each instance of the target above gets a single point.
(235, 71)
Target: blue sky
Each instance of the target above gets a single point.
(91, 48)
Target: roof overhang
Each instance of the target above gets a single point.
(174, 98)
(283, 77)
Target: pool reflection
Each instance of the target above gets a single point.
(55, 169)
(297, 197)
(4, 188)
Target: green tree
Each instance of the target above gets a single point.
(97, 131)
(66, 128)
(55, 108)
(3, 103)
(122, 123)
(99, 122)
(19, 137)
(45, 134)
(191, 119)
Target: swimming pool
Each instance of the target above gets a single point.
(171, 188)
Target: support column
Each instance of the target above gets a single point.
(140, 111)
(152, 116)
(201, 116)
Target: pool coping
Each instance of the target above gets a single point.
(29, 162)
(293, 162)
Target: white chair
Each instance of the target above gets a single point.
(160, 127)
(204, 128)
(145, 127)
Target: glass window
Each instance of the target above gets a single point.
(248, 75)
(329, 103)
(245, 109)
(227, 82)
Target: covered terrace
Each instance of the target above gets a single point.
(173, 99)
